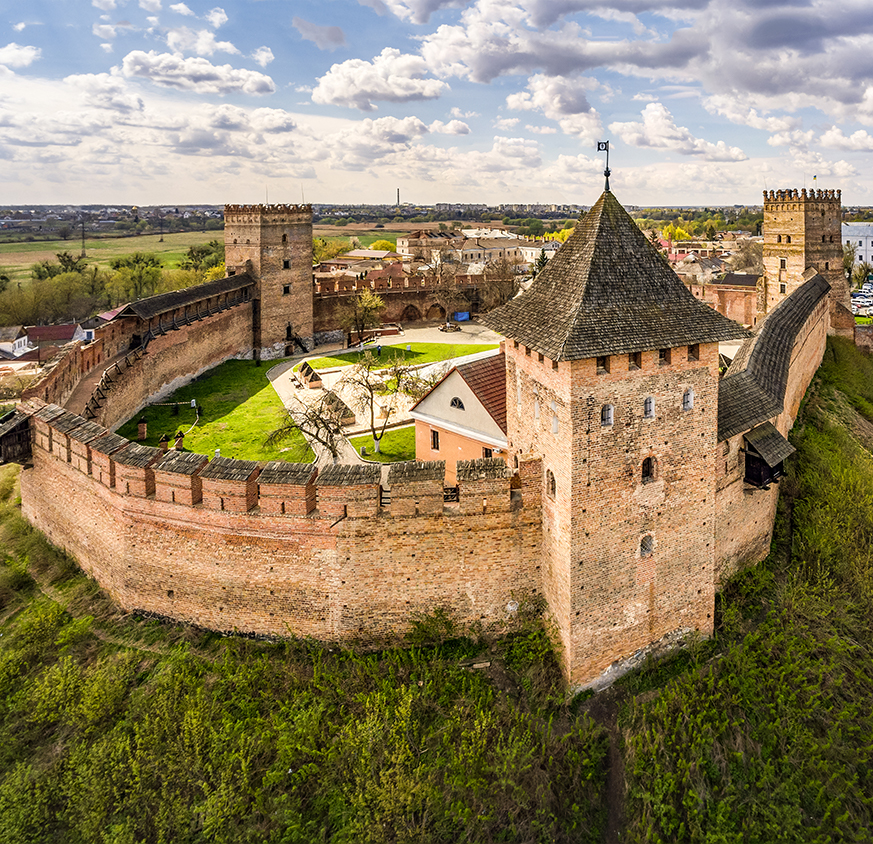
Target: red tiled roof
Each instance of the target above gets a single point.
(52, 332)
(487, 379)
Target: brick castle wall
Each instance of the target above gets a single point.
(174, 358)
(340, 571)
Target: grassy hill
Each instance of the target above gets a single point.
(122, 729)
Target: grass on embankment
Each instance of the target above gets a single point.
(419, 353)
(239, 409)
(768, 735)
(397, 445)
(193, 738)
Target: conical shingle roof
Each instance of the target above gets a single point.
(607, 291)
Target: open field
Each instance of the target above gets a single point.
(420, 353)
(397, 445)
(17, 258)
(239, 409)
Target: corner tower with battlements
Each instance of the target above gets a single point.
(274, 244)
(801, 232)
(612, 378)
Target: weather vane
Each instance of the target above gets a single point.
(603, 146)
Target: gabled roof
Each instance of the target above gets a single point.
(9, 333)
(608, 291)
(487, 379)
(43, 333)
(739, 279)
(769, 444)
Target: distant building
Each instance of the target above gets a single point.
(859, 235)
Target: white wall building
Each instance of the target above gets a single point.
(859, 235)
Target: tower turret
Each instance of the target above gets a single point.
(612, 376)
(274, 244)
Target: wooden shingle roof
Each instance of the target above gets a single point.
(181, 462)
(229, 469)
(753, 389)
(279, 472)
(417, 470)
(487, 468)
(133, 454)
(165, 302)
(608, 291)
(349, 475)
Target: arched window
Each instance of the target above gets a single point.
(648, 469)
(788, 238)
(822, 238)
(779, 238)
(551, 486)
(688, 399)
(456, 403)
(647, 545)
(284, 238)
(649, 408)
(606, 413)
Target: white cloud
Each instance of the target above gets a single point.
(795, 138)
(201, 42)
(456, 112)
(18, 27)
(195, 74)
(745, 115)
(150, 5)
(376, 5)
(453, 127)
(658, 130)
(419, 11)
(106, 5)
(563, 100)
(816, 163)
(541, 130)
(505, 123)
(103, 90)
(324, 37)
(181, 9)
(859, 141)
(263, 56)
(216, 17)
(391, 76)
(106, 47)
(16, 55)
(103, 30)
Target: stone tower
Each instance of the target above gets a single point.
(612, 377)
(802, 232)
(273, 243)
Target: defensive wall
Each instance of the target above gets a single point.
(765, 383)
(280, 548)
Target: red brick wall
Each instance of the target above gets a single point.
(173, 359)
(361, 576)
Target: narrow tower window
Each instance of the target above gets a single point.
(635, 360)
(663, 357)
(551, 486)
(603, 365)
(606, 414)
(554, 408)
(688, 399)
(647, 545)
(648, 470)
(694, 352)
(649, 408)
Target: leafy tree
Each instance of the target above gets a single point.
(216, 272)
(204, 256)
(383, 246)
(710, 231)
(136, 276)
(849, 252)
(64, 232)
(860, 273)
(66, 263)
(362, 311)
(441, 276)
(324, 250)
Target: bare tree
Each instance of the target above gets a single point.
(442, 277)
(849, 253)
(501, 281)
(749, 257)
(320, 422)
(376, 385)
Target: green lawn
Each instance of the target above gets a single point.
(398, 445)
(420, 353)
(240, 407)
(863, 320)
(17, 258)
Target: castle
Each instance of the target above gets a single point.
(639, 475)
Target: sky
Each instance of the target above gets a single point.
(704, 102)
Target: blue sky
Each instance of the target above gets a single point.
(703, 101)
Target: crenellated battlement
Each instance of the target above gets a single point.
(274, 488)
(267, 213)
(802, 195)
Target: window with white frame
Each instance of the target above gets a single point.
(606, 415)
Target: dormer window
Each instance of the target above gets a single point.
(456, 403)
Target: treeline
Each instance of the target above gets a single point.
(70, 290)
(700, 223)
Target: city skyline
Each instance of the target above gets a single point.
(467, 101)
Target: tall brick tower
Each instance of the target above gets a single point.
(273, 243)
(612, 376)
(802, 232)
